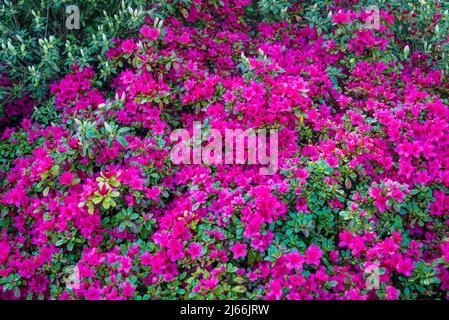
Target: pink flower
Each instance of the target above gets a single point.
(93, 294)
(275, 290)
(128, 46)
(332, 161)
(392, 293)
(66, 178)
(175, 250)
(397, 194)
(379, 200)
(4, 251)
(150, 33)
(239, 250)
(341, 17)
(153, 193)
(313, 255)
(294, 260)
(405, 266)
(127, 77)
(357, 246)
(210, 283)
(128, 289)
(195, 250)
(146, 258)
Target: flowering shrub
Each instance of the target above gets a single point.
(357, 208)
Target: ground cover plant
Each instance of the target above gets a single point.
(93, 205)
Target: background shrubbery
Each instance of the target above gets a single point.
(37, 48)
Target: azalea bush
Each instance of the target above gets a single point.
(94, 207)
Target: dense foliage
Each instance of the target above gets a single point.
(37, 47)
(358, 208)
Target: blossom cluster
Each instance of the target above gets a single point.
(361, 191)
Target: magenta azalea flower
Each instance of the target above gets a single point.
(239, 250)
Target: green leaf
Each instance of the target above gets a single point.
(348, 183)
(239, 289)
(16, 292)
(239, 280)
(114, 194)
(97, 200)
(91, 207)
(122, 141)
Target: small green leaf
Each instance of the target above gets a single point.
(348, 183)
(239, 289)
(122, 141)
